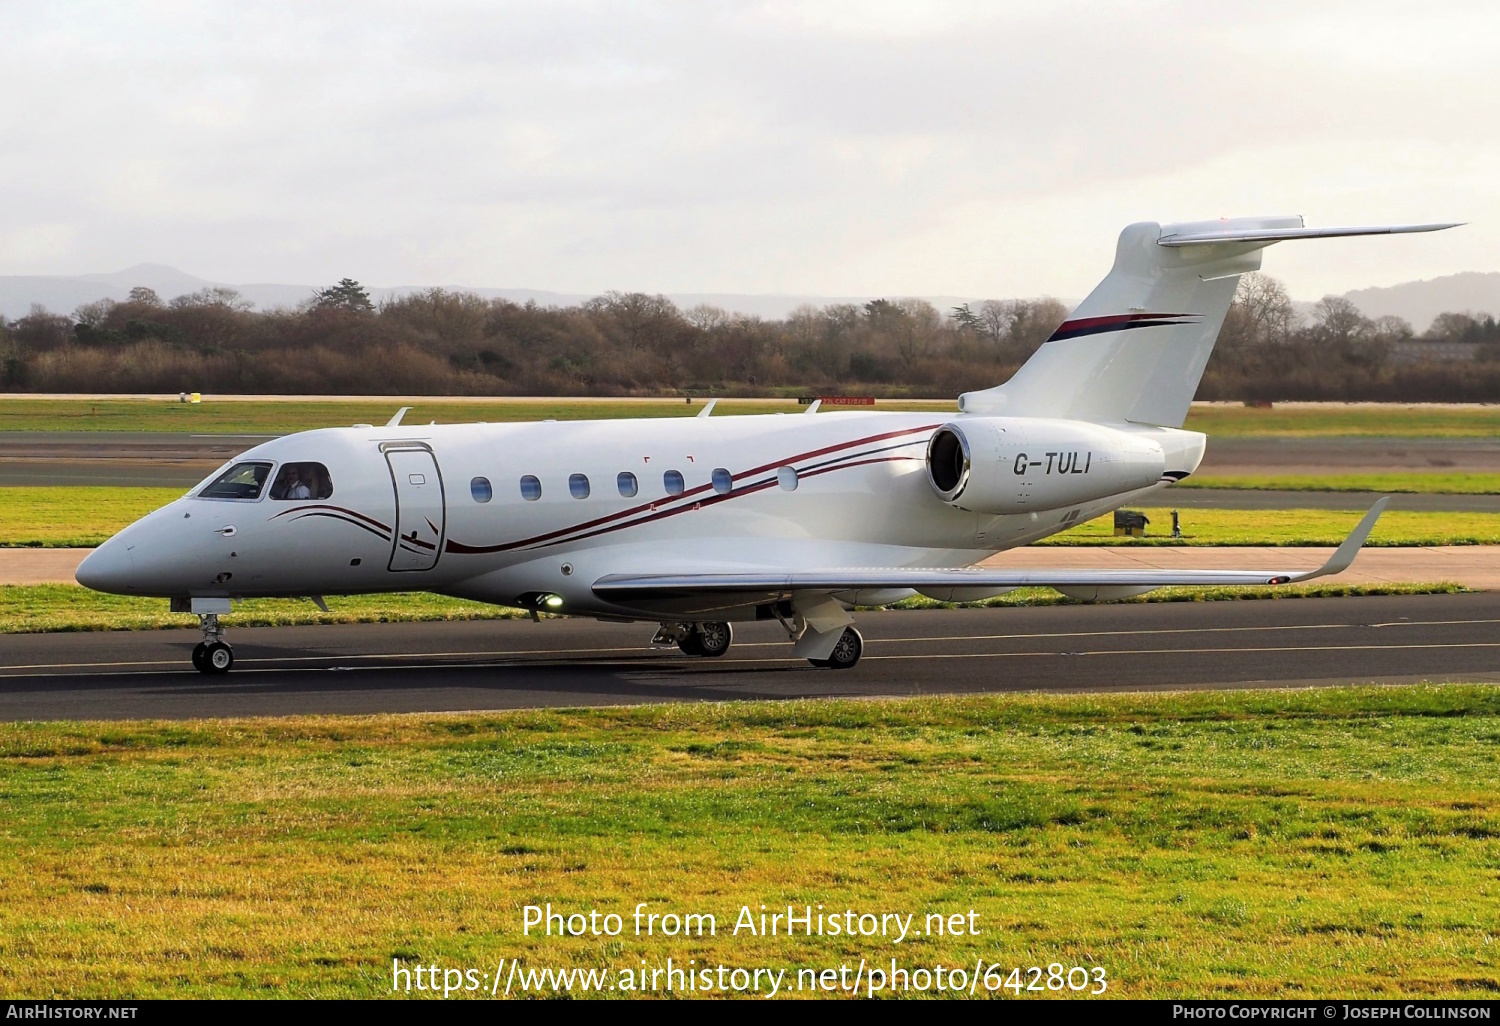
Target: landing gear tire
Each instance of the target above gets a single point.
(198, 656)
(217, 658)
(691, 644)
(846, 651)
(714, 638)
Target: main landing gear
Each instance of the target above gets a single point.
(710, 639)
(212, 654)
(846, 651)
(713, 638)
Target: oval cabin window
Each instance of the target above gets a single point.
(787, 478)
(672, 481)
(481, 490)
(578, 486)
(723, 481)
(627, 484)
(531, 488)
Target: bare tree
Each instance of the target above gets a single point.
(705, 317)
(93, 315)
(1269, 310)
(220, 296)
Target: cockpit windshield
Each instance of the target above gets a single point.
(241, 481)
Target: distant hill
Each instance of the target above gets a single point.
(1420, 301)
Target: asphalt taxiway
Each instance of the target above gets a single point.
(518, 664)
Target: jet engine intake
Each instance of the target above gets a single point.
(1001, 465)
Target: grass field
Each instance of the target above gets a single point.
(73, 517)
(276, 417)
(1411, 483)
(80, 517)
(1295, 527)
(1234, 844)
(42, 608)
(1331, 419)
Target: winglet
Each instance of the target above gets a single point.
(707, 409)
(1344, 555)
(396, 420)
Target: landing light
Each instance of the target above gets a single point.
(552, 601)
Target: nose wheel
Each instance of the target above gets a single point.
(212, 654)
(215, 657)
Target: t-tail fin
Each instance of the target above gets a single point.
(1135, 349)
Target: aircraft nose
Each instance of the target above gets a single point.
(107, 568)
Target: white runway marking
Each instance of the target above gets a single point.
(497, 658)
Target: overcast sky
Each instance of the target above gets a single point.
(864, 147)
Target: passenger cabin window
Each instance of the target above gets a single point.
(787, 478)
(578, 486)
(673, 482)
(531, 488)
(241, 481)
(626, 482)
(481, 490)
(723, 481)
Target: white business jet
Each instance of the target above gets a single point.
(699, 523)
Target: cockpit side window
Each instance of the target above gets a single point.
(241, 481)
(302, 481)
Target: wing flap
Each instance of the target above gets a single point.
(635, 587)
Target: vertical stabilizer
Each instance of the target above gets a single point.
(1135, 349)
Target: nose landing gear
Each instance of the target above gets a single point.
(212, 654)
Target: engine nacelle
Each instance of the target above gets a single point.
(1022, 465)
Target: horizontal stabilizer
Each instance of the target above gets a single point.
(1270, 235)
(773, 586)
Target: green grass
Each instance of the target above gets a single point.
(1317, 527)
(1412, 483)
(1331, 419)
(1239, 844)
(46, 608)
(20, 413)
(74, 517)
(39, 608)
(284, 416)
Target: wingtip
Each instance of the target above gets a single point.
(1344, 555)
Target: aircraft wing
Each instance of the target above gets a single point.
(627, 588)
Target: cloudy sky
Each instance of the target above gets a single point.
(855, 147)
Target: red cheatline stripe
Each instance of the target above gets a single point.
(759, 486)
(685, 498)
(1094, 322)
(382, 535)
(340, 509)
(1118, 322)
